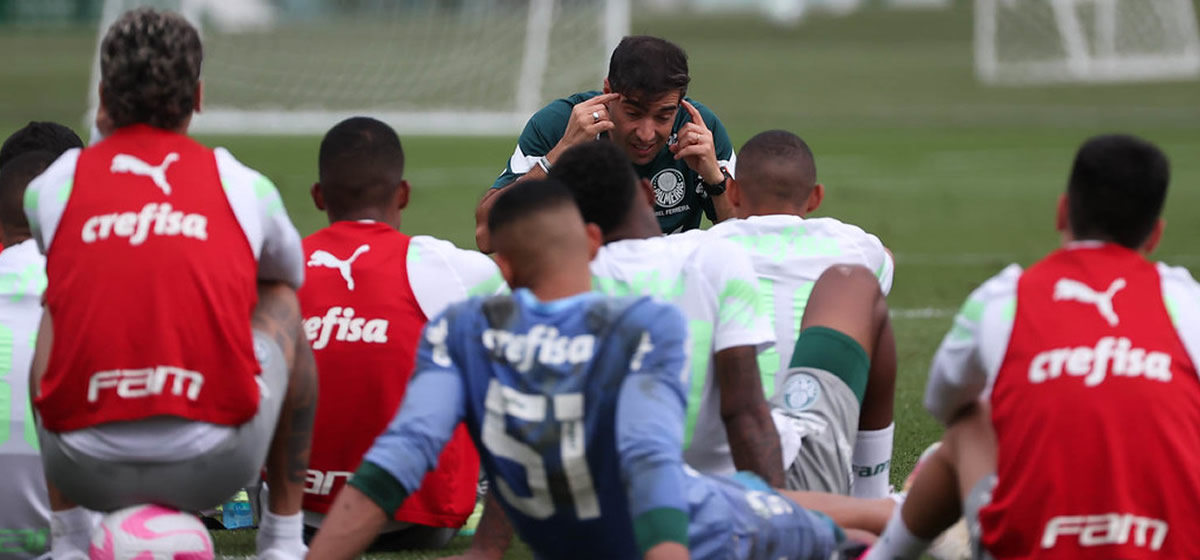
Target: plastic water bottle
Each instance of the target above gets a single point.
(235, 513)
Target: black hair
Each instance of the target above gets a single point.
(360, 164)
(601, 178)
(525, 199)
(777, 163)
(14, 177)
(150, 68)
(39, 136)
(646, 68)
(1117, 189)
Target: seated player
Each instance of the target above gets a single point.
(1070, 388)
(369, 291)
(841, 399)
(169, 362)
(25, 514)
(39, 136)
(576, 404)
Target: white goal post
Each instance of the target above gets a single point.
(1026, 42)
(452, 67)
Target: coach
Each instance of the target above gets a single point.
(677, 144)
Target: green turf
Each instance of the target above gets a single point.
(956, 178)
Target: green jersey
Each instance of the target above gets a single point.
(679, 196)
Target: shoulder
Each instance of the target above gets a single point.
(423, 247)
(837, 228)
(729, 228)
(1000, 288)
(1180, 290)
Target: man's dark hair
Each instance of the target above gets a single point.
(14, 177)
(602, 180)
(1117, 188)
(149, 69)
(39, 136)
(526, 198)
(361, 164)
(776, 164)
(646, 68)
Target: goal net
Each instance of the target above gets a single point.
(424, 66)
(1046, 41)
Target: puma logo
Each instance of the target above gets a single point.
(327, 260)
(1067, 289)
(125, 163)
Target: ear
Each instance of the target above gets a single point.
(648, 190)
(402, 194)
(733, 193)
(199, 96)
(815, 198)
(607, 88)
(595, 240)
(1155, 237)
(317, 198)
(506, 270)
(1062, 221)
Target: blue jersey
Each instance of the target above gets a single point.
(577, 409)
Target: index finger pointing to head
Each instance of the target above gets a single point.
(605, 98)
(694, 112)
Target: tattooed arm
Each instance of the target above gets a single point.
(278, 315)
(753, 439)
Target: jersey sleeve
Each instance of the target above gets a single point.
(968, 359)
(879, 260)
(433, 405)
(740, 319)
(259, 209)
(542, 132)
(441, 274)
(1181, 294)
(46, 198)
(650, 418)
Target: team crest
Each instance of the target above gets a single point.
(669, 188)
(800, 392)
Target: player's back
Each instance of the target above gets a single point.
(1096, 406)
(712, 281)
(545, 414)
(25, 509)
(789, 254)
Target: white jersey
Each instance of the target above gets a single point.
(712, 281)
(789, 254)
(275, 244)
(24, 505)
(969, 358)
(441, 274)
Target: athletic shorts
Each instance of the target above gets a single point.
(979, 497)
(816, 415)
(24, 508)
(195, 484)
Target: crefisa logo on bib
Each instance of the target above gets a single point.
(669, 187)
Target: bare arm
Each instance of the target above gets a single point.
(753, 440)
(493, 535)
(353, 522)
(667, 551)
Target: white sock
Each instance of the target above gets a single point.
(872, 462)
(281, 537)
(71, 533)
(896, 542)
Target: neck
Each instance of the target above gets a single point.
(15, 237)
(374, 214)
(567, 282)
(634, 229)
(774, 208)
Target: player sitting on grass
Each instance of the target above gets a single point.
(676, 143)
(25, 514)
(576, 404)
(1070, 388)
(841, 398)
(369, 291)
(156, 377)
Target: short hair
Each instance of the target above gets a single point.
(645, 68)
(360, 164)
(39, 136)
(150, 68)
(14, 177)
(1117, 189)
(776, 164)
(601, 178)
(527, 198)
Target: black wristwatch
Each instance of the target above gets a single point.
(716, 189)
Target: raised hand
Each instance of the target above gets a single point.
(587, 120)
(694, 145)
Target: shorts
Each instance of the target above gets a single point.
(195, 484)
(816, 414)
(979, 498)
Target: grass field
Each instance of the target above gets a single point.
(957, 179)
